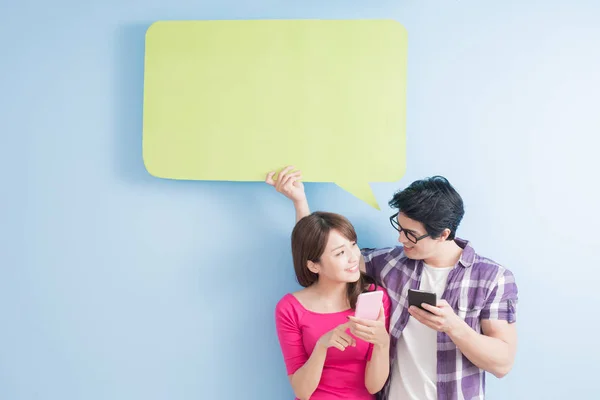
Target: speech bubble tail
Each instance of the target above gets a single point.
(361, 190)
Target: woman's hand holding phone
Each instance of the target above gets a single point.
(370, 331)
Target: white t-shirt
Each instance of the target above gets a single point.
(414, 373)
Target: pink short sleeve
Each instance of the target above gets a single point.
(290, 337)
(386, 311)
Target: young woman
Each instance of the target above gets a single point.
(330, 354)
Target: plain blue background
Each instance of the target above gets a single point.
(117, 285)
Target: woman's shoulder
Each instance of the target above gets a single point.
(290, 303)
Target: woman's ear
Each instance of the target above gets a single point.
(312, 267)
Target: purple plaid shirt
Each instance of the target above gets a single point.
(477, 289)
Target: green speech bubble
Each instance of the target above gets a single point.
(232, 100)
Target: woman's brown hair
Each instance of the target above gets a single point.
(309, 239)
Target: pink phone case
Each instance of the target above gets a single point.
(368, 305)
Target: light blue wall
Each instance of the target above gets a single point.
(115, 285)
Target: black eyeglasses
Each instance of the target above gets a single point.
(409, 234)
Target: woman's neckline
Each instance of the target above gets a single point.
(317, 312)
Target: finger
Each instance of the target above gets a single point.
(364, 322)
(416, 312)
(381, 317)
(338, 346)
(297, 180)
(281, 176)
(363, 336)
(443, 303)
(289, 179)
(367, 330)
(289, 184)
(416, 315)
(351, 341)
(345, 340)
(344, 326)
(348, 339)
(432, 309)
(269, 179)
(425, 317)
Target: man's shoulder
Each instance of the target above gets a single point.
(389, 266)
(484, 263)
(487, 269)
(478, 262)
(384, 253)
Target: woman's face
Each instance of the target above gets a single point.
(340, 260)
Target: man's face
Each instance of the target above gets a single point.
(412, 231)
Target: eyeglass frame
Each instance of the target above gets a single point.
(409, 234)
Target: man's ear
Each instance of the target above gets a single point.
(445, 234)
(312, 267)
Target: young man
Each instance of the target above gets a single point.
(442, 352)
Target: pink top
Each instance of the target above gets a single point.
(299, 330)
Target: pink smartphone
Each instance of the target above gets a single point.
(368, 305)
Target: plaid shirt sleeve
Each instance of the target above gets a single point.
(375, 260)
(502, 301)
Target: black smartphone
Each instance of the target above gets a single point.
(418, 297)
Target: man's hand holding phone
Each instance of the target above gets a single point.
(441, 318)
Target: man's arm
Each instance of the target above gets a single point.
(494, 350)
